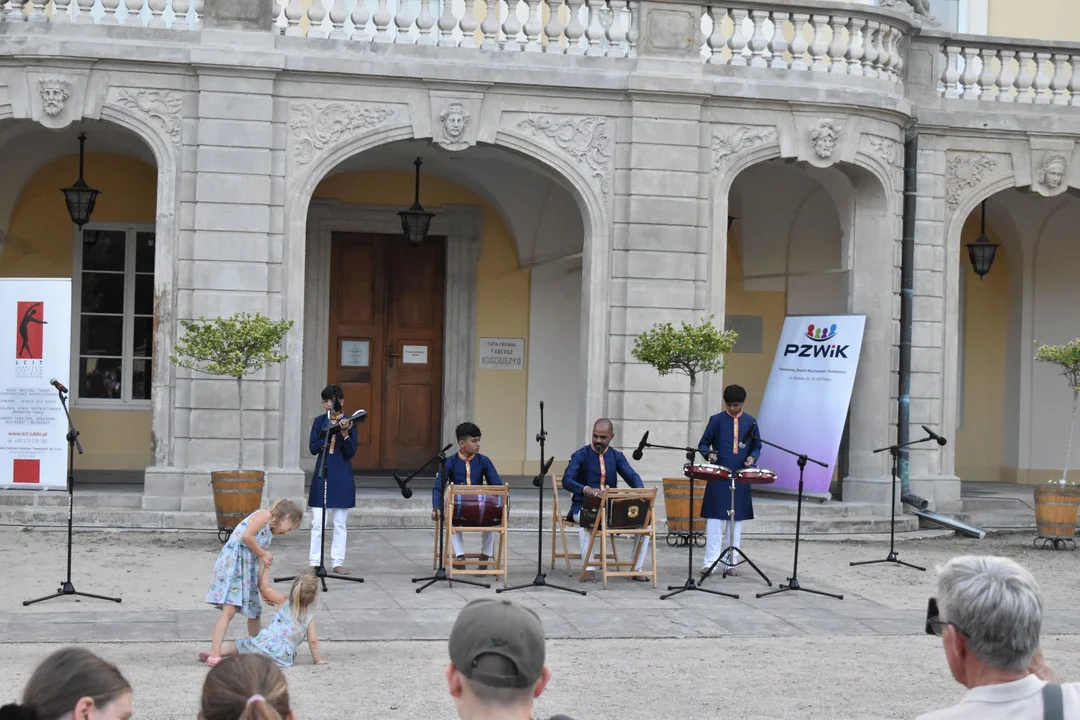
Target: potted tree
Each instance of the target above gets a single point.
(689, 350)
(233, 347)
(1057, 501)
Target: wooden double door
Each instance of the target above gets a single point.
(386, 343)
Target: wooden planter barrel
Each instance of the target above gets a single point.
(1056, 510)
(237, 494)
(677, 506)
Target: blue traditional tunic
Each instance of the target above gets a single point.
(278, 640)
(339, 472)
(726, 435)
(589, 468)
(236, 572)
(477, 470)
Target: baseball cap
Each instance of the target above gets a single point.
(499, 627)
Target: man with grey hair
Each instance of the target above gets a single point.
(497, 661)
(988, 613)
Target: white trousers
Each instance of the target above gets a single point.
(337, 548)
(716, 540)
(583, 539)
(487, 544)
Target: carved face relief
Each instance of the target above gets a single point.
(823, 138)
(1052, 172)
(54, 91)
(454, 119)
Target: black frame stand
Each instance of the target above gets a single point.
(690, 584)
(793, 581)
(730, 550)
(440, 572)
(320, 571)
(541, 577)
(893, 557)
(66, 586)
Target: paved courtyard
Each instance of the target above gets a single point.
(619, 652)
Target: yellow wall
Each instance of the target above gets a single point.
(39, 244)
(987, 304)
(1039, 19)
(502, 299)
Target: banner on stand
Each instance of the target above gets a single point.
(35, 347)
(806, 401)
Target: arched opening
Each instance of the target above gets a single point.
(112, 263)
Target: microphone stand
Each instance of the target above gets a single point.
(320, 572)
(541, 577)
(690, 583)
(793, 581)
(440, 572)
(66, 586)
(892, 557)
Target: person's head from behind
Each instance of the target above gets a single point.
(304, 594)
(245, 687)
(468, 438)
(496, 659)
(734, 397)
(73, 683)
(989, 616)
(285, 515)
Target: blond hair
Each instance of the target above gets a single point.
(303, 595)
(245, 687)
(285, 509)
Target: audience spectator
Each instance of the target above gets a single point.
(988, 613)
(245, 687)
(497, 661)
(73, 683)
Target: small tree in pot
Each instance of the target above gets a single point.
(689, 350)
(1056, 522)
(233, 347)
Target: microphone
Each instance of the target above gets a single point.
(641, 445)
(749, 433)
(538, 481)
(58, 385)
(406, 492)
(934, 436)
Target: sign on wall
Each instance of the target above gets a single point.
(502, 353)
(806, 401)
(35, 347)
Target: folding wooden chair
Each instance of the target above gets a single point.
(478, 504)
(624, 511)
(559, 524)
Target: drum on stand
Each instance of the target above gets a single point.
(709, 472)
(477, 510)
(755, 476)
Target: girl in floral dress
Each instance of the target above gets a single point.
(293, 623)
(235, 587)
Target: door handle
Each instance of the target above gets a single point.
(391, 355)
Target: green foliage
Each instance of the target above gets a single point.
(234, 347)
(1066, 357)
(689, 350)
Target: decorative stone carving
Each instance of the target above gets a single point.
(162, 107)
(454, 119)
(737, 139)
(885, 148)
(316, 125)
(585, 139)
(823, 138)
(54, 91)
(919, 7)
(1054, 168)
(963, 172)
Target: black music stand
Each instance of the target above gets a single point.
(793, 581)
(893, 557)
(541, 577)
(66, 586)
(440, 572)
(730, 550)
(690, 584)
(324, 451)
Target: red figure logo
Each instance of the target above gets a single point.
(31, 322)
(26, 471)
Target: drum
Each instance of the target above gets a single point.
(590, 508)
(478, 510)
(706, 471)
(755, 476)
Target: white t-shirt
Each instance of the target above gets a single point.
(1017, 700)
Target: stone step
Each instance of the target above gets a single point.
(54, 499)
(1002, 513)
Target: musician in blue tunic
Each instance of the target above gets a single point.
(591, 468)
(467, 467)
(341, 487)
(731, 439)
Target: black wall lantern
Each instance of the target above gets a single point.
(982, 251)
(80, 197)
(416, 220)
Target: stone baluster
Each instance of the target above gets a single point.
(896, 60)
(1059, 82)
(469, 25)
(316, 15)
(715, 41)
(134, 8)
(595, 31)
(554, 28)
(15, 11)
(180, 11)
(447, 24)
(1074, 81)
(799, 44)
(425, 23)
(61, 11)
(1004, 81)
(988, 75)
(403, 21)
(837, 48)
(294, 13)
(382, 19)
(970, 76)
(533, 28)
(632, 35)
(882, 58)
(157, 11)
(82, 11)
(758, 41)
(870, 53)
(199, 7)
(574, 28)
(778, 42)
(1042, 79)
(110, 6)
(856, 44)
(616, 34)
(359, 18)
(490, 26)
(951, 76)
(819, 47)
(1024, 77)
(737, 41)
(35, 11)
(887, 54)
(337, 20)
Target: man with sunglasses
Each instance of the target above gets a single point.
(988, 613)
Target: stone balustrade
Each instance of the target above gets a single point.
(176, 14)
(1008, 70)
